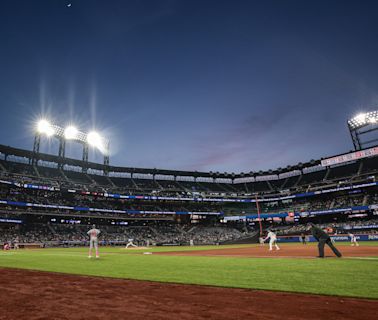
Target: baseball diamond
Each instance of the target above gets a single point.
(173, 280)
(188, 159)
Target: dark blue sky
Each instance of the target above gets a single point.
(195, 84)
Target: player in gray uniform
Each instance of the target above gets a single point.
(93, 241)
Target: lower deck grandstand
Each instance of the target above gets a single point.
(50, 203)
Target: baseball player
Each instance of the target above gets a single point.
(261, 241)
(131, 244)
(353, 240)
(323, 238)
(273, 240)
(16, 244)
(303, 238)
(93, 241)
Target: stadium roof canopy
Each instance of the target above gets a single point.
(10, 151)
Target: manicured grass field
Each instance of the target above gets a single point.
(344, 277)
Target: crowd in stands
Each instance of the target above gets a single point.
(70, 199)
(76, 234)
(72, 177)
(366, 226)
(60, 234)
(65, 198)
(321, 203)
(214, 235)
(167, 232)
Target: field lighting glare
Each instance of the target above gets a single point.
(95, 140)
(44, 127)
(362, 124)
(70, 133)
(364, 119)
(360, 117)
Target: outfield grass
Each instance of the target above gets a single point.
(344, 277)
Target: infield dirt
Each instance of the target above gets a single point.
(35, 295)
(287, 251)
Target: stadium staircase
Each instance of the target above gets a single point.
(36, 171)
(3, 168)
(270, 186)
(154, 231)
(135, 184)
(299, 180)
(64, 176)
(365, 200)
(191, 229)
(222, 187)
(111, 182)
(51, 229)
(158, 185)
(181, 187)
(232, 188)
(360, 168)
(93, 182)
(284, 183)
(327, 174)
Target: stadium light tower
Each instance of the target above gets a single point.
(71, 133)
(44, 127)
(361, 125)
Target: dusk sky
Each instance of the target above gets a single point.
(203, 85)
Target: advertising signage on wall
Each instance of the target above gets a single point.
(350, 157)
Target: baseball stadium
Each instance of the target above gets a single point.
(188, 160)
(299, 242)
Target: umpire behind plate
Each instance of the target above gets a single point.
(323, 238)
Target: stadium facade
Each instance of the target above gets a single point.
(54, 194)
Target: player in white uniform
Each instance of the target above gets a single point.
(353, 240)
(93, 241)
(130, 243)
(273, 240)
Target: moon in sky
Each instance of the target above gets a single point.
(69, 5)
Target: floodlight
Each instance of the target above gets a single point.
(95, 140)
(362, 124)
(71, 133)
(360, 117)
(363, 119)
(44, 127)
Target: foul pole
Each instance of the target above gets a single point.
(258, 214)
